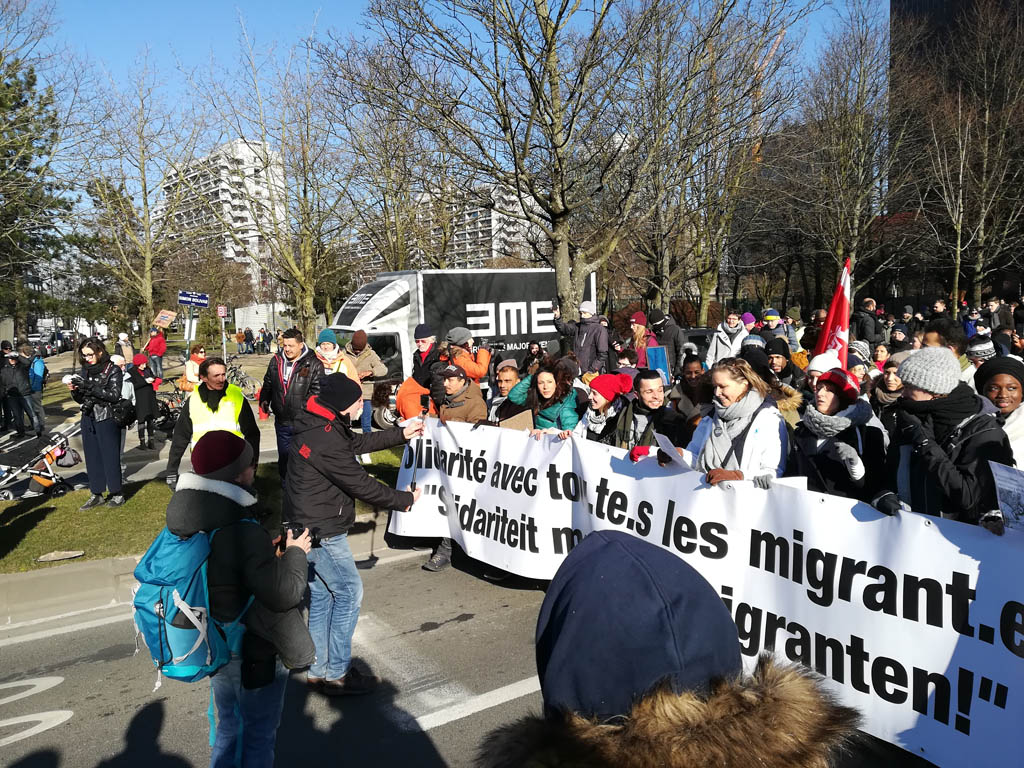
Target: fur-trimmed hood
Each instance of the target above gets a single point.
(779, 717)
(787, 398)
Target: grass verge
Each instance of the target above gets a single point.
(33, 527)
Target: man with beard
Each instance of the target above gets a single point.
(781, 364)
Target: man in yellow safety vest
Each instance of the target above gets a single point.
(214, 404)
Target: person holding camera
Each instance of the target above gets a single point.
(244, 564)
(17, 388)
(98, 389)
(323, 481)
(589, 337)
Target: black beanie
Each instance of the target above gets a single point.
(996, 366)
(778, 346)
(656, 317)
(339, 392)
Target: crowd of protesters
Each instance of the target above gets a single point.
(925, 400)
(923, 403)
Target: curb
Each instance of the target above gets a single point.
(58, 590)
(43, 594)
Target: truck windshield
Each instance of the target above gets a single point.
(387, 347)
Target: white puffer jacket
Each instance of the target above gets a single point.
(722, 346)
(764, 450)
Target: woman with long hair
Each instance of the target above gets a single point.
(640, 338)
(745, 437)
(97, 388)
(549, 395)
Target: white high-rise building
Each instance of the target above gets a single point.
(463, 233)
(225, 198)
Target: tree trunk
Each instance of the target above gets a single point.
(706, 284)
(569, 291)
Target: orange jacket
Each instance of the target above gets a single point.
(475, 367)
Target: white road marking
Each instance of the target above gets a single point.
(44, 722)
(47, 633)
(478, 703)
(35, 685)
(420, 683)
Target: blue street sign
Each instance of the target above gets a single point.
(191, 298)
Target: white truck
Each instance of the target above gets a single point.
(507, 308)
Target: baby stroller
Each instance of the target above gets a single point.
(40, 468)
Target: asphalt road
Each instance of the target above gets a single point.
(454, 650)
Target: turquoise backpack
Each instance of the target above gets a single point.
(171, 609)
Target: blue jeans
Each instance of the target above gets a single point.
(156, 365)
(249, 716)
(284, 446)
(21, 404)
(366, 420)
(335, 594)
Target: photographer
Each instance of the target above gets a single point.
(589, 337)
(14, 379)
(322, 483)
(97, 389)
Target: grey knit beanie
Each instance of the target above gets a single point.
(933, 369)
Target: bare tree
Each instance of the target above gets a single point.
(857, 169)
(974, 125)
(139, 144)
(276, 104)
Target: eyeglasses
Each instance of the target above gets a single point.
(203, 351)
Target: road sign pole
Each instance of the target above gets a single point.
(223, 340)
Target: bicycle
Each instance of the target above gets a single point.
(249, 385)
(169, 405)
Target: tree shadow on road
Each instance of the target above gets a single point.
(367, 730)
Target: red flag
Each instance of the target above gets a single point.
(836, 332)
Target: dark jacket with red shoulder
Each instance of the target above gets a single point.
(324, 478)
(288, 397)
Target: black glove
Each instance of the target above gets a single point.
(888, 504)
(910, 429)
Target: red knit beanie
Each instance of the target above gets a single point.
(639, 318)
(221, 455)
(608, 385)
(844, 383)
(140, 360)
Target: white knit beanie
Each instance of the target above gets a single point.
(933, 369)
(826, 361)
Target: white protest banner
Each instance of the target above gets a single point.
(917, 622)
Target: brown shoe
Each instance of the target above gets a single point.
(314, 682)
(355, 683)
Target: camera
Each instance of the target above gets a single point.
(498, 345)
(296, 531)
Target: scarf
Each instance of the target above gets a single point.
(726, 425)
(731, 333)
(211, 397)
(597, 421)
(450, 400)
(93, 370)
(329, 356)
(1013, 426)
(884, 396)
(943, 415)
(825, 426)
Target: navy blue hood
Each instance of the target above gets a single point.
(622, 615)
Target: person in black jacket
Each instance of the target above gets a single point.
(782, 365)
(646, 414)
(671, 337)
(145, 398)
(17, 389)
(324, 479)
(838, 445)
(864, 324)
(245, 564)
(293, 374)
(97, 388)
(589, 338)
(938, 461)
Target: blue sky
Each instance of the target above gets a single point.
(114, 32)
